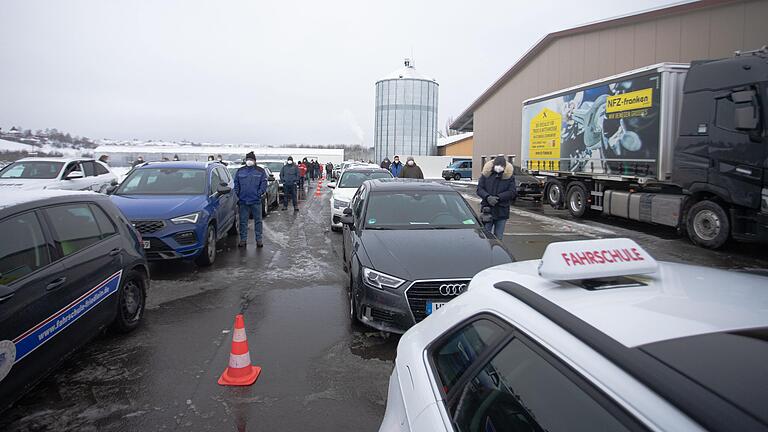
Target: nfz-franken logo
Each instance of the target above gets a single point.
(629, 101)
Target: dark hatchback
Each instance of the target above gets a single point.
(409, 248)
(70, 265)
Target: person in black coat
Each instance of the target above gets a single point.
(498, 190)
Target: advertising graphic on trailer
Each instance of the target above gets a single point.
(610, 128)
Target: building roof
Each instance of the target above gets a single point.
(464, 122)
(408, 71)
(442, 142)
(263, 151)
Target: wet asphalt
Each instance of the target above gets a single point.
(319, 372)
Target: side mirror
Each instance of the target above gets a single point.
(348, 220)
(223, 189)
(113, 183)
(347, 211)
(111, 189)
(74, 175)
(332, 185)
(745, 118)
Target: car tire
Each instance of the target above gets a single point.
(131, 301)
(208, 255)
(707, 224)
(576, 200)
(457, 176)
(234, 229)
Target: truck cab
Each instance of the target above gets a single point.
(721, 156)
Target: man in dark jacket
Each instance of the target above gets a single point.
(385, 163)
(250, 185)
(289, 177)
(498, 190)
(139, 160)
(396, 167)
(411, 170)
(329, 171)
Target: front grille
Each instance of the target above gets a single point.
(421, 292)
(382, 315)
(148, 227)
(185, 238)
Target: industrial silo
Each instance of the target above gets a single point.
(406, 114)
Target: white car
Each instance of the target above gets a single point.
(346, 186)
(594, 336)
(57, 173)
(275, 166)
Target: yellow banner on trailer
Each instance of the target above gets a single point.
(544, 143)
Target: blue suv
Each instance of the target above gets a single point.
(181, 209)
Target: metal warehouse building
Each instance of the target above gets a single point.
(681, 33)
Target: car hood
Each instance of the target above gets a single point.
(158, 206)
(27, 184)
(433, 254)
(344, 194)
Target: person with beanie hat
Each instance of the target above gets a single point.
(289, 177)
(250, 185)
(411, 170)
(498, 191)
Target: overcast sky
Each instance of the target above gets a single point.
(251, 71)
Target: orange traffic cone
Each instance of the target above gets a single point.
(240, 371)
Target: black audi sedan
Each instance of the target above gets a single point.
(409, 248)
(70, 266)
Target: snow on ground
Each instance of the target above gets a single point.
(12, 146)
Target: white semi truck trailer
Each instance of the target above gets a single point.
(682, 145)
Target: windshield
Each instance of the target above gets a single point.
(273, 166)
(32, 170)
(355, 179)
(418, 210)
(456, 164)
(165, 181)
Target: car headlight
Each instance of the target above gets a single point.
(380, 280)
(190, 218)
(339, 204)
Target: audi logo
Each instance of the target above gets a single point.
(452, 289)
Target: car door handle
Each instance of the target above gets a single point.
(5, 297)
(115, 251)
(56, 284)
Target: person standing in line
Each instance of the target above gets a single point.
(250, 185)
(319, 170)
(176, 158)
(302, 174)
(211, 158)
(498, 191)
(139, 160)
(220, 160)
(309, 168)
(385, 163)
(289, 177)
(396, 167)
(329, 171)
(411, 170)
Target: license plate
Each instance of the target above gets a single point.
(145, 243)
(433, 306)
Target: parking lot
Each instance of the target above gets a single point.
(319, 371)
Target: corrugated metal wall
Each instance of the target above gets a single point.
(713, 32)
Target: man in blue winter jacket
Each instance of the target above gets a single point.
(395, 167)
(250, 185)
(289, 177)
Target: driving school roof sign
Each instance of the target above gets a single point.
(591, 259)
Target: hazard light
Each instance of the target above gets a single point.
(592, 259)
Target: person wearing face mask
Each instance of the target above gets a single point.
(289, 177)
(385, 163)
(411, 170)
(396, 166)
(250, 185)
(211, 158)
(220, 160)
(498, 191)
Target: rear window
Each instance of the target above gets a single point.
(418, 210)
(355, 179)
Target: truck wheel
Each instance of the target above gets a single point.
(555, 194)
(208, 255)
(577, 201)
(707, 224)
(457, 176)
